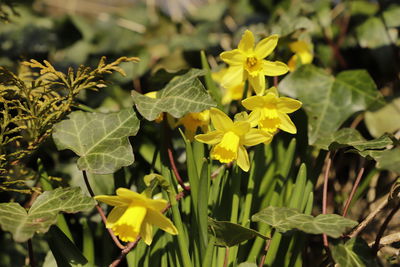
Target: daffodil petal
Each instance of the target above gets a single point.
(286, 124)
(129, 195)
(220, 120)
(254, 117)
(255, 137)
(292, 63)
(233, 77)
(246, 44)
(233, 57)
(253, 102)
(158, 219)
(146, 232)
(243, 159)
(210, 138)
(299, 46)
(114, 215)
(288, 105)
(241, 127)
(274, 68)
(157, 204)
(112, 200)
(266, 46)
(258, 83)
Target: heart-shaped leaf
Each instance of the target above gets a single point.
(327, 100)
(354, 253)
(101, 140)
(43, 212)
(285, 219)
(181, 95)
(229, 234)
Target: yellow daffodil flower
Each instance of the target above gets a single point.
(234, 92)
(247, 62)
(270, 111)
(134, 214)
(303, 54)
(194, 120)
(229, 138)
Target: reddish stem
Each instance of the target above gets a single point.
(353, 191)
(325, 193)
(101, 212)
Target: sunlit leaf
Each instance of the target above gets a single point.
(230, 234)
(182, 94)
(101, 140)
(329, 101)
(43, 212)
(384, 120)
(389, 160)
(285, 219)
(354, 253)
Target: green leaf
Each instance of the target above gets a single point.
(329, 101)
(43, 213)
(285, 219)
(64, 251)
(229, 234)
(389, 160)
(354, 253)
(101, 140)
(182, 94)
(391, 16)
(247, 264)
(349, 137)
(372, 34)
(384, 120)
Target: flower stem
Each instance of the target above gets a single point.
(353, 191)
(32, 261)
(325, 193)
(101, 212)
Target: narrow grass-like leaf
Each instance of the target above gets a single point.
(101, 140)
(64, 251)
(211, 86)
(43, 213)
(285, 219)
(182, 94)
(202, 209)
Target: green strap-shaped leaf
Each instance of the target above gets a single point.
(182, 94)
(285, 219)
(354, 253)
(329, 101)
(101, 140)
(229, 234)
(43, 213)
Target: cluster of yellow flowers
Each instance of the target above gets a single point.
(268, 110)
(134, 214)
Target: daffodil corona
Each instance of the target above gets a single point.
(229, 138)
(247, 62)
(270, 111)
(135, 214)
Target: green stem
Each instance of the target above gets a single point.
(249, 195)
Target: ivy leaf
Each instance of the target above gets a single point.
(389, 160)
(329, 101)
(181, 95)
(285, 219)
(43, 212)
(354, 253)
(230, 234)
(351, 138)
(101, 140)
(384, 120)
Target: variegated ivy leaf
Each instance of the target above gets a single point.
(43, 212)
(181, 95)
(285, 219)
(101, 140)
